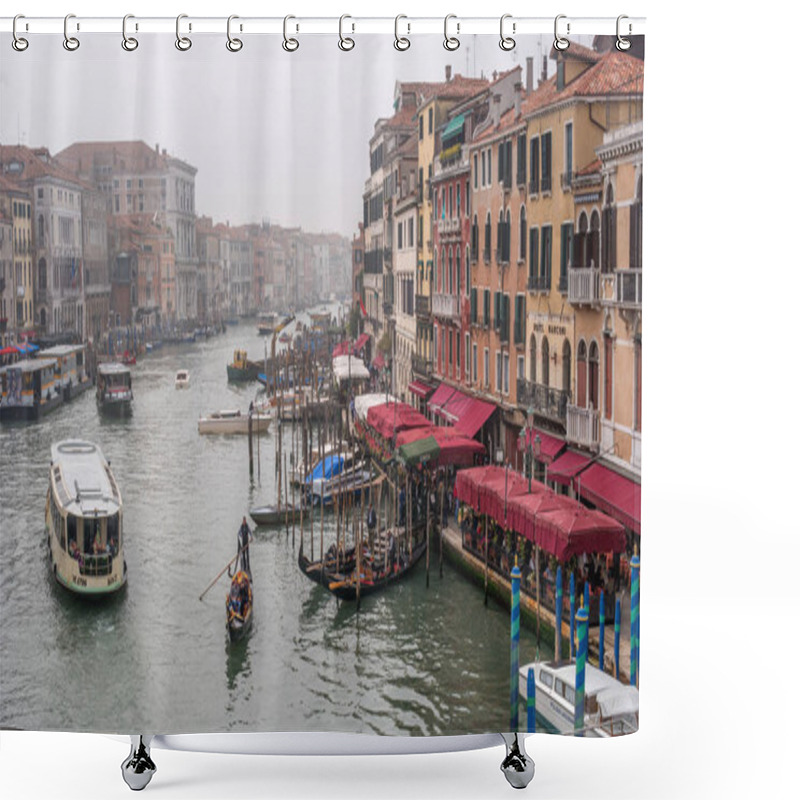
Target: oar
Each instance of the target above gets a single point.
(223, 571)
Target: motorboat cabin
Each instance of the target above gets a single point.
(114, 391)
(71, 377)
(83, 519)
(182, 379)
(29, 389)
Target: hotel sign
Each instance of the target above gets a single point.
(550, 328)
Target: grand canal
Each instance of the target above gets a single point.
(414, 660)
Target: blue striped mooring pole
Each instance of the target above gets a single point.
(617, 617)
(634, 620)
(559, 607)
(531, 701)
(602, 620)
(572, 615)
(516, 575)
(586, 595)
(580, 669)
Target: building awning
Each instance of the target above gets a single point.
(7, 351)
(420, 451)
(575, 529)
(453, 447)
(440, 397)
(474, 417)
(619, 497)
(360, 342)
(389, 418)
(420, 389)
(566, 466)
(378, 362)
(454, 127)
(551, 447)
(342, 349)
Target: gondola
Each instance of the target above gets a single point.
(372, 580)
(272, 515)
(239, 605)
(324, 571)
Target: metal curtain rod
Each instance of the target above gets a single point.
(459, 26)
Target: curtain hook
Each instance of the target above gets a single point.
(289, 44)
(346, 43)
(233, 44)
(71, 43)
(401, 42)
(451, 42)
(19, 43)
(128, 42)
(622, 43)
(506, 42)
(183, 43)
(560, 42)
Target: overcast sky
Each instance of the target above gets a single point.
(273, 135)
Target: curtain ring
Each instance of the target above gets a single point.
(622, 43)
(401, 43)
(71, 43)
(506, 42)
(183, 43)
(233, 44)
(560, 43)
(18, 42)
(290, 45)
(346, 43)
(451, 42)
(128, 42)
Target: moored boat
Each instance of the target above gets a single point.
(29, 389)
(83, 519)
(71, 378)
(114, 391)
(233, 421)
(320, 571)
(273, 515)
(242, 369)
(611, 707)
(239, 605)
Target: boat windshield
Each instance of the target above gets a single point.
(93, 542)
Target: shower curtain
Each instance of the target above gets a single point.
(463, 227)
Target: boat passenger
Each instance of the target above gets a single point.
(372, 519)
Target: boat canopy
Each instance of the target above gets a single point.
(364, 402)
(327, 468)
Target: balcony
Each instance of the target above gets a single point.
(583, 286)
(629, 287)
(545, 400)
(454, 157)
(445, 305)
(583, 426)
(421, 366)
(422, 305)
(449, 226)
(566, 181)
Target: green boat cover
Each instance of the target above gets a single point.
(419, 452)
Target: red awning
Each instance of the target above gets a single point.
(619, 497)
(551, 447)
(575, 529)
(360, 342)
(7, 351)
(378, 362)
(342, 349)
(566, 466)
(453, 448)
(474, 417)
(388, 418)
(454, 406)
(440, 397)
(420, 389)
(524, 508)
(487, 489)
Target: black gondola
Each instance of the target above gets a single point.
(239, 605)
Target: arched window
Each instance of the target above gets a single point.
(609, 254)
(636, 228)
(458, 271)
(450, 283)
(42, 276)
(545, 362)
(533, 360)
(566, 367)
(581, 374)
(594, 376)
(40, 229)
(476, 238)
(523, 234)
(594, 241)
(487, 238)
(582, 242)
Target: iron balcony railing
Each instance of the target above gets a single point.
(421, 365)
(545, 400)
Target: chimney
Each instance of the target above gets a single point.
(529, 74)
(517, 98)
(448, 71)
(156, 148)
(544, 70)
(495, 112)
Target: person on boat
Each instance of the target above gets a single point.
(244, 545)
(402, 520)
(372, 520)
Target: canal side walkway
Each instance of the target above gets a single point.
(499, 588)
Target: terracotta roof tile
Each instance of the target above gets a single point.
(38, 164)
(138, 155)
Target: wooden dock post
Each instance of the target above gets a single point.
(250, 440)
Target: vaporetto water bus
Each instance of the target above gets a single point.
(83, 519)
(114, 392)
(70, 373)
(29, 389)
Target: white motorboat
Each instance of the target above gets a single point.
(83, 519)
(233, 421)
(611, 708)
(182, 379)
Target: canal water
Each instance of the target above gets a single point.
(414, 660)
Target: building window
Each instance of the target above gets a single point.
(566, 254)
(636, 228)
(474, 362)
(430, 120)
(483, 168)
(521, 165)
(546, 164)
(421, 128)
(532, 357)
(609, 242)
(506, 373)
(486, 380)
(545, 262)
(458, 200)
(594, 375)
(566, 367)
(568, 152)
(523, 234)
(498, 372)
(608, 376)
(533, 258)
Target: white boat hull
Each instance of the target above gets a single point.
(233, 425)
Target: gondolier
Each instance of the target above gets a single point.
(244, 545)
